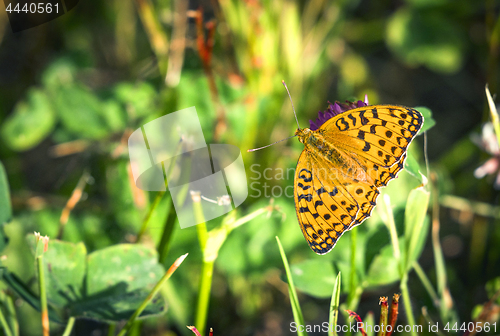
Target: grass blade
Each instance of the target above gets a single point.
(294, 301)
(334, 307)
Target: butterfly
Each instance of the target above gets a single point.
(349, 155)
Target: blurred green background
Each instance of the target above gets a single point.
(72, 91)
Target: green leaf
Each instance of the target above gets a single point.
(384, 268)
(114, 115)
(58, 74)
(314, 277)
(81, 112)
(5, 205)
(121, 196)
(119, 278)
(415, 230)
(64, 271)
(492, 287)
(32, 120)
(138, 98)
(429, 122)
(412, 167)
(25, 293)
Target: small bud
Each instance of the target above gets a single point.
(195, 196)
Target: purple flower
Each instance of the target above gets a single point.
(335, 109)
(488, 142)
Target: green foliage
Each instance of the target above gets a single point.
(429, 121)
(411, 35)
(5, 207)
(314, 277)
(32, 120)
(106, 285)
(416, 226)
(70, 101)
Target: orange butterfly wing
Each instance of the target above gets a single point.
(333, 193)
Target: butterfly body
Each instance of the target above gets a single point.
(343, 165)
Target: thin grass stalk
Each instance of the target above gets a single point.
(152, 294)
(43, 297)
(430, 322)
(426, 282)
(111, 329)
(334, 307)
(75, 197)
(12, 316)
(438, 252)
(294, 300)
(5, 325)
(155, 32)
(152, 208)
(69, 326)
(351, 299)
(391, 225)
(168, 229)
(157, 201)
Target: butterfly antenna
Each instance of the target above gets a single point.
(293, 108)
(256, 149)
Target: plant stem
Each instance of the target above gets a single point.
(426, 282)
(441, 278)
(207, 267)
(159, 196)
(352, 282)
(14, 325)
(69, 326)
(391, 225)
(111, 329)
(155, 32)
(168, 229)
(43, 297)
(407, 303)
(204, 294)
(5, 325)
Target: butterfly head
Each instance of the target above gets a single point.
(303, 134)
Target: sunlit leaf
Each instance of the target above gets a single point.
(314, 277)
(32, 120)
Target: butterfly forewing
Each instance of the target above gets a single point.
(379, 133)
